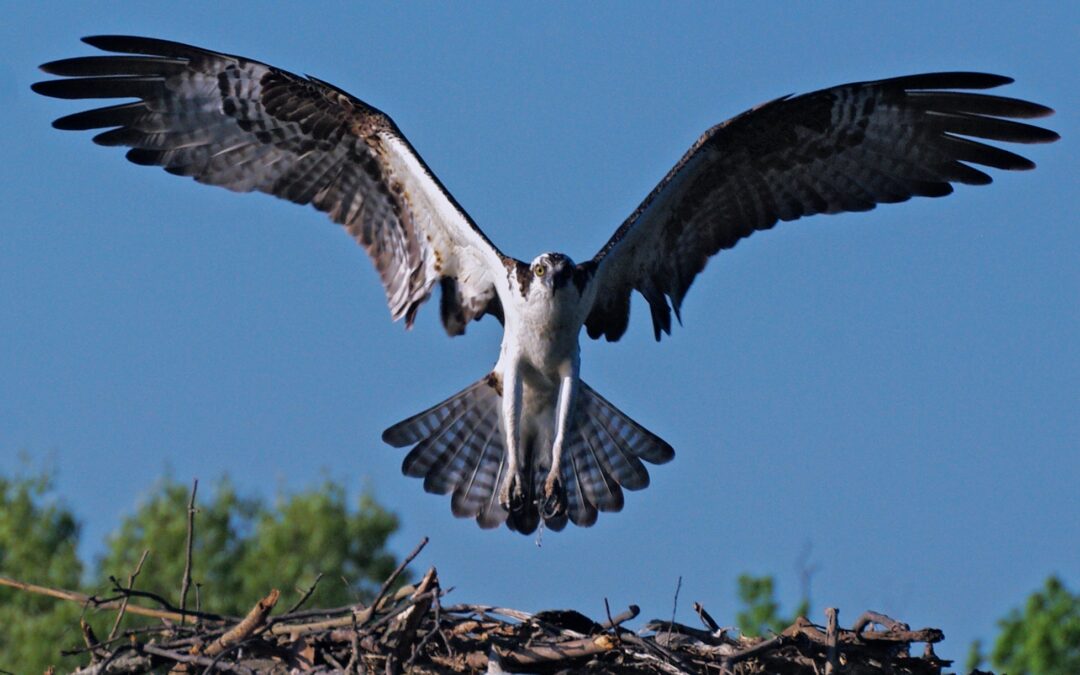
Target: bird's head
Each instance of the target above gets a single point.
(552, 270)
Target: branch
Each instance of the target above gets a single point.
(255, 618)
(186, 582)
(124, 602)
(306, 594)
(832, 663)
(92, 601)
(394, 575)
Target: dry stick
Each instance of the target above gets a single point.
(548, 652)
(395, 574)
(186, 583)
(659, 654)
(124, 602)
(90, 639)
(242, 630)
(401, 635)
(870, 617)
(81, 598)
(355, 644)
(278, 627)
(135, 593)
(630, 613)
(126, 659)
(832, 664)
(435, 629)
(189, 658)
(757, 649)
(306, 595)
(607, 609)
(675, 604)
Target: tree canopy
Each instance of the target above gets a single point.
(242, 547)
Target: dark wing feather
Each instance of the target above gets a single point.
(847, 148)
(246, 126)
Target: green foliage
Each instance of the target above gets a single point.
(314, 532)
(1044, 639)
(38, 538)
(159, 525)
(760, 612)
(243, 547)
(975, 657)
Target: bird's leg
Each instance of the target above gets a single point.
(511, 494)
(554, 495)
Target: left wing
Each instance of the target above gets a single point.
(247, 126)
(846, 148)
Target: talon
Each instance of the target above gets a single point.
(504, 494)
(554, 498)
(517, 499)
(511, 496)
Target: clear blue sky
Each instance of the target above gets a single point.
(900, 388)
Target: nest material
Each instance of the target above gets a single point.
(411, 631)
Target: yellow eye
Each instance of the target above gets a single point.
(539, 270)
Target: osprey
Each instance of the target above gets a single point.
(530, 440)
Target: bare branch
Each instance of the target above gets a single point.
(124, 602)
(186, 581)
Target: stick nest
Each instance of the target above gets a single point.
(413, 631)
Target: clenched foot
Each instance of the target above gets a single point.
(554, 498)
(511, 496)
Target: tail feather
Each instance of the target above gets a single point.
(422, 459)
(581, 510)
(594, 471)
(457, 461)
(459, 448)
(475, 495)
(620, 443)
(423, 424)
(620, 461)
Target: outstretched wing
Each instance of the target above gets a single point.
(847, 148)
(230, 121)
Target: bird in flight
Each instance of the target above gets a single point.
(530, 441)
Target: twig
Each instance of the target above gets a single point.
(759, 648)
(124, 602)
(355, 655)
(437, 628)
(607, 610)
(395, 574)
(546, 652)
(832, 662)
(195, 659)
(675, 603)
(73, 596)
(306, 595)
(135, 593)
(90, 639)
(630, 614)
(186, 582)
(255, 618)
(869, 617)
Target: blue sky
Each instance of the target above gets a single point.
(898, 390)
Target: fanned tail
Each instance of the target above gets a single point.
(459, 449)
